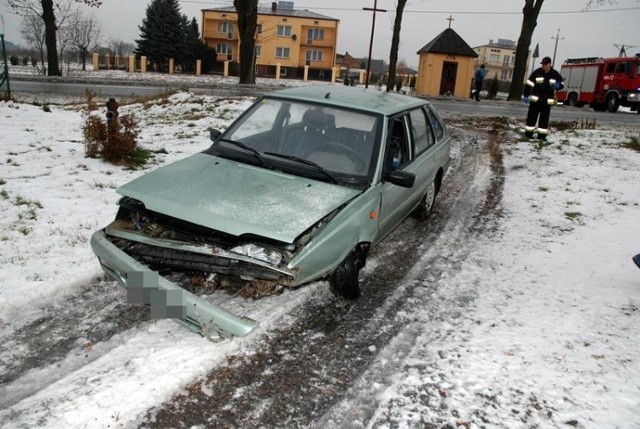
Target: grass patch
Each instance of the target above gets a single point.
(543, 189)
(141, 156)
(573, 215)
(632, 144)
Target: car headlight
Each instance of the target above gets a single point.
(270, 256)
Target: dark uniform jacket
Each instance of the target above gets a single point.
(539, 86)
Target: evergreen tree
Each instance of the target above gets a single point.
(192, 44)
(161, 33)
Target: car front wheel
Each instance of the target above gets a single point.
(424, 209)
(344, 280)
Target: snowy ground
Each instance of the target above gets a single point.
(550, 324)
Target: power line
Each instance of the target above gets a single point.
(463, 12)
(229, 3)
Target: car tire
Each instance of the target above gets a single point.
(425, 207)
(344, 280)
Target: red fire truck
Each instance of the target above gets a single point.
(602, 83)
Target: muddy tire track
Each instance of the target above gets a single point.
(68, 326)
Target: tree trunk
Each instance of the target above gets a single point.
(395, 44)
(247, 22)
(530, 13)
(84, 58)
(49, 18)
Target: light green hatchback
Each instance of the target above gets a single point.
(299, 188)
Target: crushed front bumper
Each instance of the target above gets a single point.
(198, 315)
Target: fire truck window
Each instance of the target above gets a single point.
(611, 67)
(620, 68)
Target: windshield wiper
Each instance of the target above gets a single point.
(249, 149)
(306, 162)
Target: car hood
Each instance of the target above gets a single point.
(237, 198)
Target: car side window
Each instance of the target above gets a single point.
(421, 132)
(436, 125)
(398, 153)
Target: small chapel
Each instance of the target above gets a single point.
(446, 66)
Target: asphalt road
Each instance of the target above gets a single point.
(445, 106)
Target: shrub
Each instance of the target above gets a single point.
(14, 60)
(25, 61)
(114, 140)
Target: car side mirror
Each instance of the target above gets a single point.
(214, 134)
(401, 178)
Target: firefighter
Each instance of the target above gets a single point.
(539, 93)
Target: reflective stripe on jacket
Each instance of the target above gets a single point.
(539, 86)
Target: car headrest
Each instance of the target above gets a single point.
(318, 120)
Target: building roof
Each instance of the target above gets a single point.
(280, 11)
(449, 42)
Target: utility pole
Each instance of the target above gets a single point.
(373, 26)
(623, 49)
(555, 49)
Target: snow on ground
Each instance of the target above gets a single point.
(550, 323)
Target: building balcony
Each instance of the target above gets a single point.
(219, 35)
(326, 43)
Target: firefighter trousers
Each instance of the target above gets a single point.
(538, 112)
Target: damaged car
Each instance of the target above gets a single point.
(297, 189)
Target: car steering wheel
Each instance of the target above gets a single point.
(340, 148)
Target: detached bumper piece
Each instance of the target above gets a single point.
(167, 299)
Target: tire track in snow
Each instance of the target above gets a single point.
(300, 371)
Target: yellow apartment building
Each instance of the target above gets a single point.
(499, 58)
(286, 36)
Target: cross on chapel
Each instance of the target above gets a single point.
(450, 19)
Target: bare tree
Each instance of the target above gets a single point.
(47, 10)
(120, 48)
(395, 44)
(247, 22)
(530, 13)
(32, 30)
(84, 34)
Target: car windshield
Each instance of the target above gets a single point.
(319, 141)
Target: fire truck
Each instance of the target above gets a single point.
(602, 83)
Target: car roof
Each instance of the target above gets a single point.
(371, 99)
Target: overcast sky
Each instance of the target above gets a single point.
(581, 34)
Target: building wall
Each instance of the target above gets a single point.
(271, 45)
(430, 74)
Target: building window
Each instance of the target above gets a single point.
(314, 55)
(282, 52)
(224, 49)
(315, 34)
(506, 60)
(494, 58)
(225, 27)
(284, 30)
(258, 50)
(259, 28)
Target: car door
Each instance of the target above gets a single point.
(410, 140)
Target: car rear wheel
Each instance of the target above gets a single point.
(424, 209)
(344, 280)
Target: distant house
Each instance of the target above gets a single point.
(290, 37)
(446, 66)
(499, 58)
(347, 62)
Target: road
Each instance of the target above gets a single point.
(445, 106)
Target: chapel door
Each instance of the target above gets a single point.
(448, 79)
